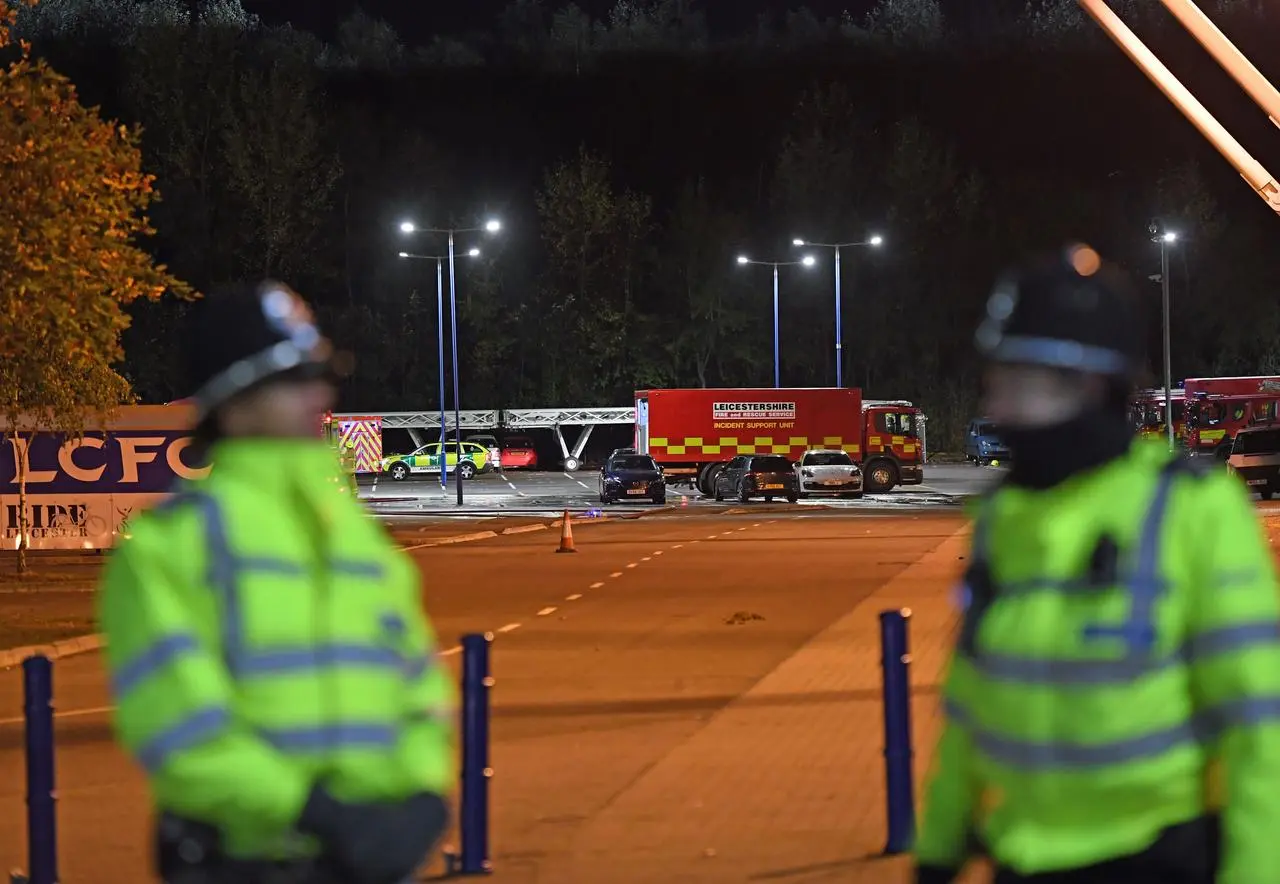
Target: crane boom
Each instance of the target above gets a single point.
(1229, 57)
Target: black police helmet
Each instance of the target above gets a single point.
(240, 336)
(1069, 311)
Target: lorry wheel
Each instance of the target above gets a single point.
(881, 475)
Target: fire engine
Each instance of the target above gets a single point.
(693, 433)
(1218, 408)
(1146, 412)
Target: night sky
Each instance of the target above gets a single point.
(417, 20)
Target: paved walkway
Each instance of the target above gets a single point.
(786, 784)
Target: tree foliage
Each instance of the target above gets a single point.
(71, 259)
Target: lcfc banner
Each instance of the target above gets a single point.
(81, 491)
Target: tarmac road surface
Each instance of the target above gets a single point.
(622, 674)
(945, 485)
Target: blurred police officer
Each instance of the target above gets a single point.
(1112, 710)
(271, 665)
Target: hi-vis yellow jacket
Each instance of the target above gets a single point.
(264, 634)
(1092, 703)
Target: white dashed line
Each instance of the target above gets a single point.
(456, 649)
(756, 525)
(596, 585)
(647, 559)
(712, 536)
(577, 595)
(743, 528)
(632, 564)
(676, 545)
(545, 611)
(616, 574)
(508, 627)
(657, 552)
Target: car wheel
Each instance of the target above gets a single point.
(856, 495)
(792, 498)
(399, 472)
(1267, 494)
(466, 469)
(660, 499)
(743, 497)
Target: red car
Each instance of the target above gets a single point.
(518, 453)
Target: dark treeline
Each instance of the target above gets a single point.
(631, 160)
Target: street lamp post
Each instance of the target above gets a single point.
(444, 438)
(1166, 238)
(874, 242)
(806, 261)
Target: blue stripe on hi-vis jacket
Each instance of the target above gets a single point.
(119, 462)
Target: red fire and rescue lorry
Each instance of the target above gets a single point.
(1218, 408)
(692, 434)
(1146, 411)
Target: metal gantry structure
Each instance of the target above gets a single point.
(511, 420)
(1232, 60)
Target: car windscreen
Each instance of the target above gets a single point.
(1257, 442)
(985, 429)
(632, 462)
(517, 442)
(771, 465)
(828, 459)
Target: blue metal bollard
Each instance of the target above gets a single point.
(899, 789)
(474, 814)
(42, 831)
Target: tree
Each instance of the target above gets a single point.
(593, 236)
(908, 24)
(74, 209)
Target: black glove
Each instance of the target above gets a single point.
(934, 875)
(377, 843)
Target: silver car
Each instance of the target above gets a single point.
(828, 471)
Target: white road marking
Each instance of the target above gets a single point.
(657, 552)
(616, 574)
(647, 559)
(577, 595)
(545, 611)
(676, 545)
(456, 649)
(508, 627)
(596, 585)
(712, 536)
(632, 564)
(70, 713)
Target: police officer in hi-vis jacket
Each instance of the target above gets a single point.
(1112, 708)
(271, 665)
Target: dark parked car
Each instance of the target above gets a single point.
(757, 475)
(1255, 458)
(982, 444)
(632, 477)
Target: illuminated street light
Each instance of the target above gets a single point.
(874, 242)
(492, 226)
(408, 227)
(806, 261)
(1165, 238)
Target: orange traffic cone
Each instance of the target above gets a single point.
(566, 535)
